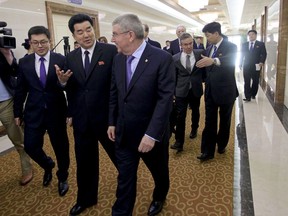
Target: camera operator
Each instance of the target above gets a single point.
(8, 69)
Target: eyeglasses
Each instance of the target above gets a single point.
(36, 43)
(117, 34)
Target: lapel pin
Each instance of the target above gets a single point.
(146, 60)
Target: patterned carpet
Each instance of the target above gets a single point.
(196, 188)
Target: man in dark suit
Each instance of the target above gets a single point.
(198, 43)
(175, 46)
(167, 47)
(188, 90)
(45, 107)
(87, 82)
(139, 113)
(220, 90)
(147, 39)
(9, 69)
(253, 56)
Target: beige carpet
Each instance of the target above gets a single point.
(196, 188)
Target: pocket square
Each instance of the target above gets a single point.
(101, 63)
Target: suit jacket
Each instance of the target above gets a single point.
(7, 73)
(220, 80)
(201, 46)
(256, 56)
(165, 48)
(49, 99)
(174, 47)
(144, 108)
(184, 77)
(88, 96)
(154, 43)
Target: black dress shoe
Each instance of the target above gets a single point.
(177, 146)
(193, 134)
(247, 99)
(155, 207)
(77, 209)
(205, 157)
(253, 97)
(63, 187)
(221, 151)
(48, 175)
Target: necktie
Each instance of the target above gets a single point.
(214, 52)
(87, 62)
(188, 63)
(128, 70)
(251, 46)
(42, 72)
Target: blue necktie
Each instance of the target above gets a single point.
(87, 62)
(128, 70)
(42, 72)
(251, 46)
(214, 52)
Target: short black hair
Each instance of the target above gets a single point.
(252, 30)
(78, 18)
(212, 28)
(36, 30)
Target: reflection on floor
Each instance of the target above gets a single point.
(263, 149)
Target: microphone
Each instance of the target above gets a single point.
(3, 24)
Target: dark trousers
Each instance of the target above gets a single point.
(250, 74)
(181, 109)
(87, 160)
(33, 145)
(128, 160)
(211, 134)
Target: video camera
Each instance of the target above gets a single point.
(6, 41)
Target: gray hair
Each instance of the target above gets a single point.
(184, 36)
(130, 22)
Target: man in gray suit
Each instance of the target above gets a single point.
(188, 88)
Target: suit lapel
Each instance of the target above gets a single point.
(77, 58)
(33, 71)
(94, 61)
(142, 64)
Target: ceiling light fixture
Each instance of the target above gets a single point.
(235, 9)
(159, 6)
(208, 17)
(193, 6)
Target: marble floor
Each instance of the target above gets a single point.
(261, 156)
(261, 160)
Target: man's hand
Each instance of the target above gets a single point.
(204, 62)
(69, 121)
(17, 121)
(7, 54)
(111, 133)
(63, 77)
(146, 144)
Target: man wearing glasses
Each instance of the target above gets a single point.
(45, 107)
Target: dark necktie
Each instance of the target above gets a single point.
(251, 46)
(128, 70)
(42, 72)
(87, 62)
(188, 63)
(214, 52)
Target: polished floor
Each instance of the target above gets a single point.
(260, 157)
(261, 176)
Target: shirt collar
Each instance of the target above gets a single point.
(47, 57)
(139, 51)
(91, 49)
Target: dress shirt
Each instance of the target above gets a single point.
(38, 62)
(90, 50)
(183, 59)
